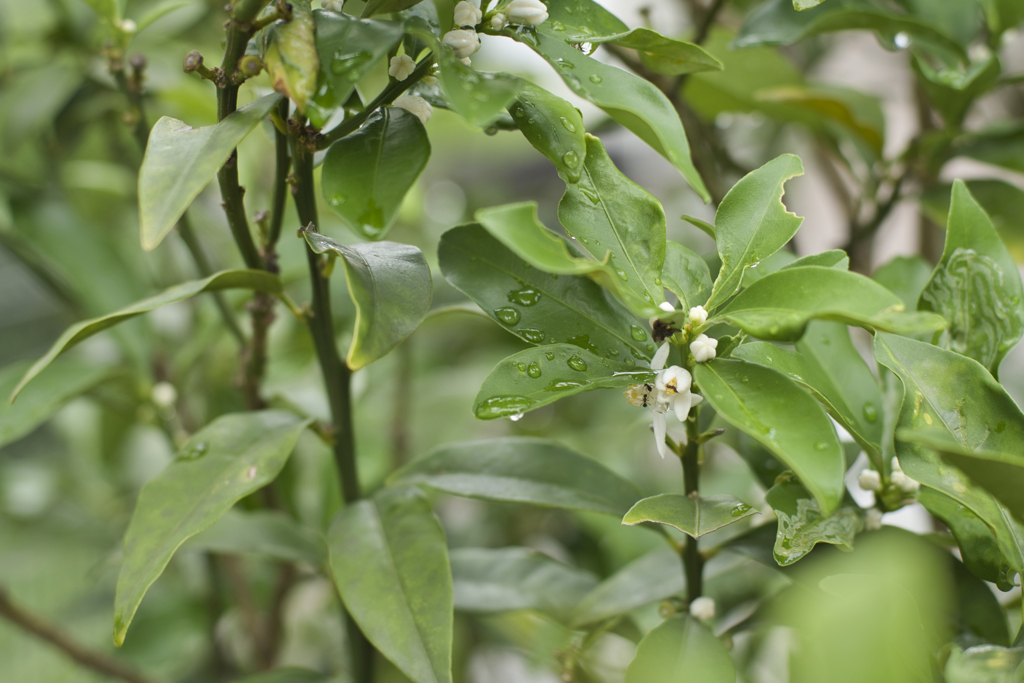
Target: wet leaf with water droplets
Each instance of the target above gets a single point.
(290, 55)
(553, 126)
(693, 516)
(802, 524)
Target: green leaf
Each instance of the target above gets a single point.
(521, 470)
(390, 564)
(801, 5)
(976, 286)
(904, 276)
(1002, 14)
(290, 55)
(653, 577)
(610, 214)
(258, 280)
(978, 613)
(826, 362)
(836, 112)
(957, 396)
(705, 227)
(779, 306)
(536, 377)
(538, 307)
(751, 223)
(489, 580)
(367, 174)
(288, 675)
(785, 419)
(553, 126)
(999, 145)
(693, 516)
(106, 9)
(581, 21)
(984, 664)
(681, 649)
(180, 161)
(953, 90)
(480, 98)
(384, 6)
(348, 48)
(1003, 203)
(161, 10)
(66, 379)
(802, 524)
(391, 288)
(270, 533)
(221, 463)
(833, 258)
(686, 275)
(663, 55)
(632, 101)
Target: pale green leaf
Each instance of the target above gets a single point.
(553, 126)
(686, 275)
(681, 649)
(802, 524)
(693, 516)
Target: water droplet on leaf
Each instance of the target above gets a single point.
(509, 316)
(577, 363)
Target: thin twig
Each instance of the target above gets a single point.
(708, 21)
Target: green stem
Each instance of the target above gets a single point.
(693, 564)
(188, 236)
(283, 165)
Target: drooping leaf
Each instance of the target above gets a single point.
(686, 275)
(181, 160)
(224, 461)
(663, 55)
(681, 649)
(348, 48)
(652, 577)
(802, 524)
(785, 419)
(269, 533)
(608, 213)
(367, 174)
(779, 306)
(390, 564)
(521, 470)
(976, 286)
(258, 280)
(66, 379)
(693, 516)
(630, 100)
(751, 223)
(290, 55)
(391, 288)
(904, 276)
(538, 307)
(489, 580)
(826, 362)
(553, 126)
(536, 377)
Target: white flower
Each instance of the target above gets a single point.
(464, 41)
(870, 480)
(703, 348)
(401, 67)
(703, 608)
(467, 61)
(665, 306)
(164, 394)
(429, 80)
(698, 316)
(669, 391)
(467, 14)
(126, 25)
(332, 5)
(530, 12)
(415, 105)
(498, 22)
(873, 519)
(900, 480)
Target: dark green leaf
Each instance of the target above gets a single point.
(751, 223)
(528, 301)
(904, 276)
(693, 516)
(655, 576)
(390, 285)
(367, 174)
(224, 461)
(553, 126)
(258, 280)
(269, 533)
(953, 90)
(686, 275)
(978, 613)
(521, 470)
(785, 419)
(383, 6)
(288, 675)
(681, 649)
(180, 161)
(663, 55)
(802, 524)
(976, 286)
(489, 580)
(630, 100)
(536, 377)
(390, 564)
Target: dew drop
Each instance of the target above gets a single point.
(622, 274)
(194, 452)
(549, 356)
(524, 297)
(590, 194)
(521, 367)
(821, 446)
(870, 413)
(517, 417)
(567, 124)
(531, 335)
(629, 361)
(571, 159)
(337, 199)
(594, 78)
(637, 332)
(502, 406)
(577, 363)
(508, 315)
(740, 510)
(533, 370)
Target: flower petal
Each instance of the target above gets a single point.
(682, 405)
(659, 433)
(658, 362)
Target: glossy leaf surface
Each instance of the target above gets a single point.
(224, 461)
(258, 280)
(521, 470)
(681, 649)
(367, 174)
(553, 126)
(383, 6)
(478, 97)
(391, 288)
(693, 516)
(663, 55)
(181, 160)
(785, 419)
(290, 55)
(390, 563)
(802, 524)
(686, 275)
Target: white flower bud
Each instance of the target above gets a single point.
(332, 5)
(467, 61)
(703, 348)
(415, 105)
(903, 482)
(667, 307)
(698, 316)
(126, 25)
(463, 41)
(703, 608)
(467, 14)
(529, 12)
(873, 519)
(429, 80)
(870, 480)
(401, 67)
(498, 21)
(164, 394)
(895, 465)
